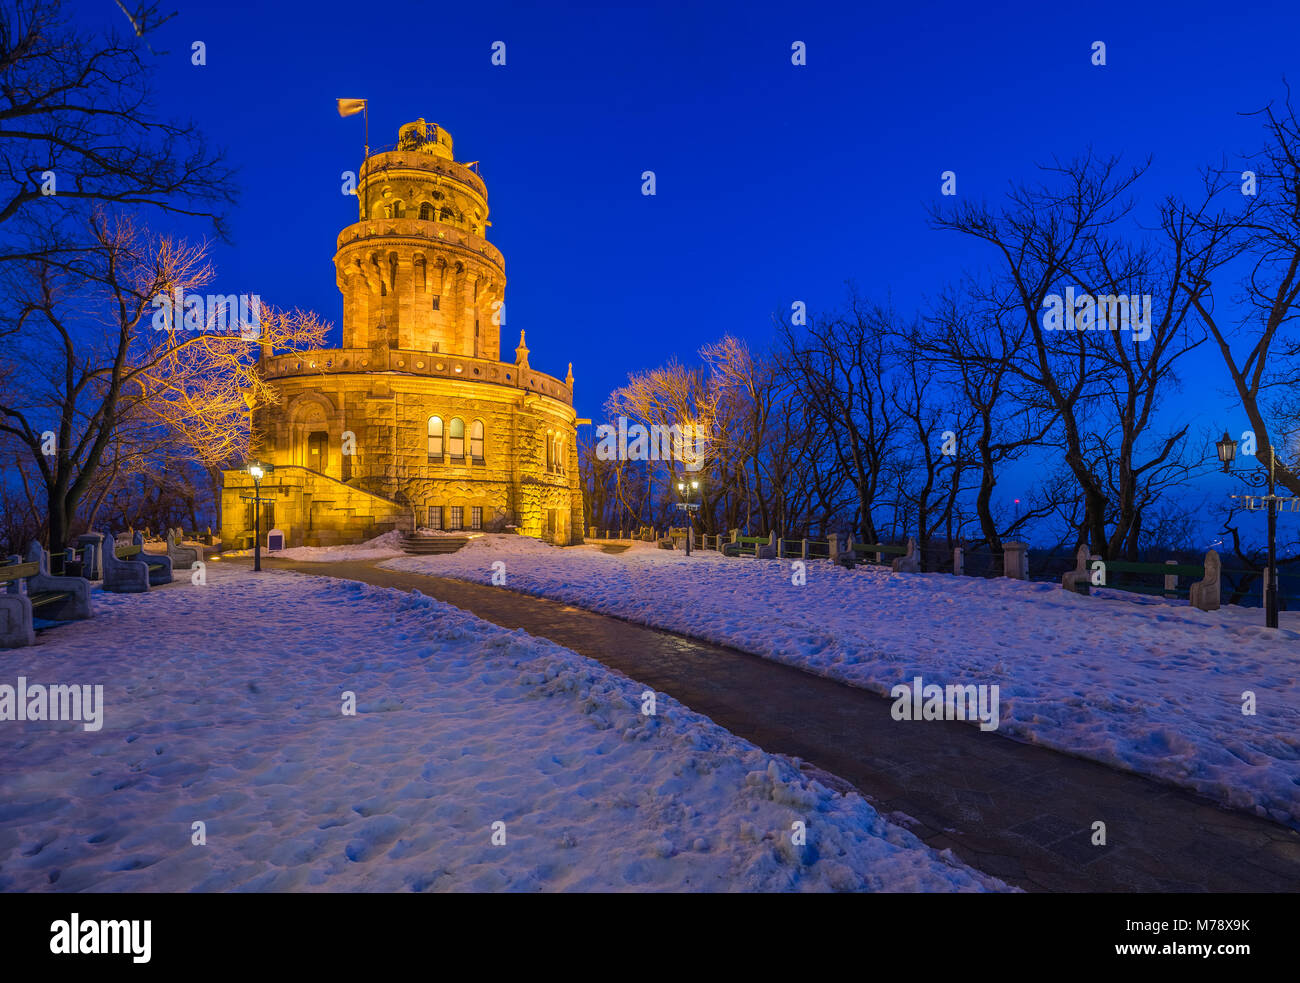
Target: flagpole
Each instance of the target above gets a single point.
(350, 106)
(365, 157)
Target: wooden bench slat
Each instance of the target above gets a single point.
(47, 597)
(19, 571)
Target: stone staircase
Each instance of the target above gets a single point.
(431, 545)
(313, 509)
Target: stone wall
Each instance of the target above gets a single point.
(387, 417)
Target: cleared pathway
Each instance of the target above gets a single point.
(1020, 812)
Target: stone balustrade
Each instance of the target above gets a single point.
(436, 233)
(434, 364)
(389, 159)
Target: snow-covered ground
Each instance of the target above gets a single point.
(382, 547)
(1143, 684)
(223, 706)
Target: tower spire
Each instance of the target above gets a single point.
(521, 353)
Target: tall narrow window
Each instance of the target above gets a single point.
(550, 452)
(476, 517)
(456, 438)
(435, 517)
(435, 437)
(454, 518)
(476, 441)
(426, 212)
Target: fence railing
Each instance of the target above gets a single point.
(1171, 578)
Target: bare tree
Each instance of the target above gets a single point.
(840, 365)
(1051, 240)
(85, 347)
(77, 128)
(1265, 373)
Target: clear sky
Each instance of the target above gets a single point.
(775, 183)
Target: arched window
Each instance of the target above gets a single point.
(447, 215)
(399, 210)
(426, 212)
(456, 438)
(435, 437)
(550, 451)
(476, 441)
(559, 453)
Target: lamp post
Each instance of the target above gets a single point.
(257, 471)
(1227, 449)
(688, 490)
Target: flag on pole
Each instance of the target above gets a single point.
(350, 107)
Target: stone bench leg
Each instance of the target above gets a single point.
(16, 621)
(1079, 580)
(1205, 592)
(71, 608)
(123, 576)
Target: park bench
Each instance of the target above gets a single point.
(1203, 593)
(756, 546)
(47, 597)
(160, 565)
(129, 569)
(183, 557)
(861, 552)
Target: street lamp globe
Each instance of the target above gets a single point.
(256, 472)
(1227, 448)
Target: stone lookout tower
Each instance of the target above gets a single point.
(415, 420)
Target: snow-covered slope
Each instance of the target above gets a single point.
(223, 707)
(1144, 684)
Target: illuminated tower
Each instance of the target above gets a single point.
(415, 421)
(416, 270)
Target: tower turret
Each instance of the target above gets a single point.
(416, 270)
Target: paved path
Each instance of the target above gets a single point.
(1020, 812)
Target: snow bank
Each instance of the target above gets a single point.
(1147, 685)
(223, 707)
(382, 547)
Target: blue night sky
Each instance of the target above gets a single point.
(775, 183)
